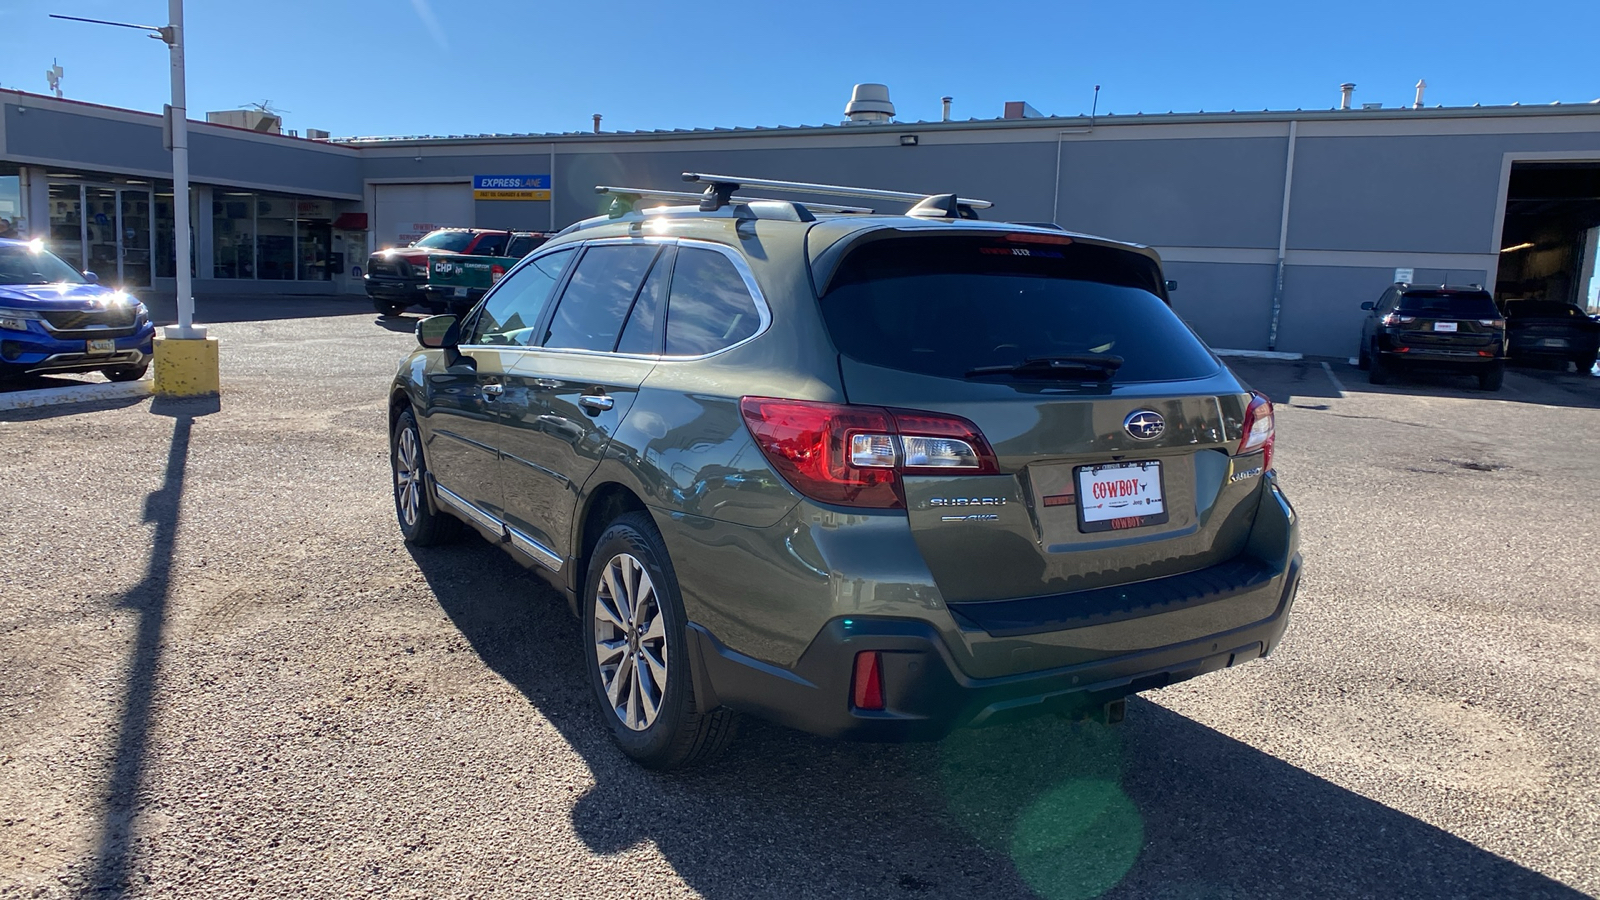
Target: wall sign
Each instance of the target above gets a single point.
(1405, 276)
(511, 187)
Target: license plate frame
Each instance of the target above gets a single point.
(1553, 342)
(1094, 507)
(1445, 327)
(460, 293)
(100, 346)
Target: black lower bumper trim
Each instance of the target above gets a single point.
(926, 693)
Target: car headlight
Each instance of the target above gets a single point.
(16, 319)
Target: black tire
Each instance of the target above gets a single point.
(1378, 369)
(1492, 378)
(422, 523)
(126, 373)
(681, 733)
(1583, 364)
(388, 308)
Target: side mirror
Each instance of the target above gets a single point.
(1171, 286)
(1367, 305)
(439, 332)
(91, 277)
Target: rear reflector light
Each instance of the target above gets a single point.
(866, 688)
(855, 455)
(496, 272)
(1259, 430)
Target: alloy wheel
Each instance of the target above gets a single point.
(630, 642)
(408, 477)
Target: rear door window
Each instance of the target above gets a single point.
(511, 311)
(1449, 304)
(590, 313)
(523, 244)
(642, 334)
(710, 306)
(945, 306)
(491, 245)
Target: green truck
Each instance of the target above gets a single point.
(457, 281)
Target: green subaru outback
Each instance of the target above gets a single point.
(870, 476)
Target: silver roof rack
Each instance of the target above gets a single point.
(720, 188)
(628, 198)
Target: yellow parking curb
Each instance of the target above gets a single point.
(186, 367)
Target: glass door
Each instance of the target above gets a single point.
(133, 232)
(100, 218)
(66, 222)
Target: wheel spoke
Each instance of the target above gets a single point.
(620, 599)
(649, 696)
(619, 683)
(608, 652)
(657, 667)
(634, 718)
(603, 612)
(645, 593)
(655, 631)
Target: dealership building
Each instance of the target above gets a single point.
(1276, 225)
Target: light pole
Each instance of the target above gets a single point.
(178, 125)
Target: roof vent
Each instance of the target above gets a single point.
(1016, 109)
(1346, 92)
(869, 103)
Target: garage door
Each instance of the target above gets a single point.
(408, 211)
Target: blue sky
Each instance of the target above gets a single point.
(447, 66)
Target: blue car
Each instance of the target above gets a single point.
(54, 318)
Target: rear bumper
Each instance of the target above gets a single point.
(926, 693)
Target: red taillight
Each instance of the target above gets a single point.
(1259, 430)
(1028, 237)
(1397, 319)
(866, 689)
(496, 272)
(854, 455)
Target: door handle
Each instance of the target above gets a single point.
(595, 404)
(492, 390)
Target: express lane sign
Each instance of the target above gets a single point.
(511, 187)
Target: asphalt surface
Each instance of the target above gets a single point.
(223, 674)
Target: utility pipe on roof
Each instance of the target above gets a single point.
(1283, 238)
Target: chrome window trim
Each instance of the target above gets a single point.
(763, 311)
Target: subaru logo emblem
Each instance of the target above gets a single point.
(1144, 425)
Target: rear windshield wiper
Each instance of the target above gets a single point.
(1094, 365)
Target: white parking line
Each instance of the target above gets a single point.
(1335, 379)
(111, 390)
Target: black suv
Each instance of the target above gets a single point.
(1442, 327)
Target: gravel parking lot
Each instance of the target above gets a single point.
(223, 674)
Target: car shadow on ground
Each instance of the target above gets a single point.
(1159, 806)
(402, 323)
(215, 309)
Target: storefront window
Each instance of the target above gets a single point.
(274, 237)
(314, 239)
(233, 234)
(66, 223)
(10, 205)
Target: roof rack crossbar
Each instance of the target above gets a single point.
(827, 190)
(649, 194)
